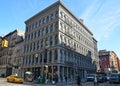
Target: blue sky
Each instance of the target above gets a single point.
(102, 17)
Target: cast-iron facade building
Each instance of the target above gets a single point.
(57, 44)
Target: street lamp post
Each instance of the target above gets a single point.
(36, 57)
(46, 66)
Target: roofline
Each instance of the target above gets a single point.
(10, 33)
(54, 4)
(75, 17)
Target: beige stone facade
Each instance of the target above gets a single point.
(10, 57)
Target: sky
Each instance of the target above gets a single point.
(101, 17)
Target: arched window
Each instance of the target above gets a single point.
(46, 29)
(33, 46)
(46, 42)
(45, 55)
(56, 55)
(51, 42)
(40, 57)
(50, 55)
(47, 18)
(56, 25)
(56, 39)
(38, 33)
(61, 54)
(51, 27)
(31, 36)
(33, 59)
(41, 43)
(38, 45)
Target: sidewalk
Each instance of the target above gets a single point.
(57, 84)
(34, 83)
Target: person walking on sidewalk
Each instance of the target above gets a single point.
(66, 79)
(95, 81)
(79, 81)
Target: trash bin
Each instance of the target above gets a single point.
(41, 80)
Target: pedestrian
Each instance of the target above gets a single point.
(78, 81)
(66, 79)
(95, 81)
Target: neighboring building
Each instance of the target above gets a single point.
(10, 56)
(57, 44)
(108, 61)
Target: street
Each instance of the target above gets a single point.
(3, 82)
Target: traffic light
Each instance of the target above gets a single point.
(4, 43)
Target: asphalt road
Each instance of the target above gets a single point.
(3, 82)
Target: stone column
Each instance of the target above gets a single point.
(38, 58)
(59, 56)
(59, 39)
(58, 73)
(52, 72)
(42, 71)
(67, 73)
(53, 55)
(48, 57)
(63, 75)
(53, 40)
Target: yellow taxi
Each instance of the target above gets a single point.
(15, 79)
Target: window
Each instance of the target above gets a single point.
(33, 59)
(65, 17)
(56, 54)
(56, 39)
(43, 21)
(61, 14)
(30, 47)
(51, 27)
(51, 16)
(45, 55)
(51, 41)
(46, 29)
(35, 34)
(38, 45)
(31, 36)
(56, 14)
(36, 25)
(47, 19)
(56, 25)
(50, 59)
(39, 22)
(40, 57)
(61, 25)
(38, 33)
(33, 46)
(42, 32)
(41, 43)
(33, 26)
(46, 42)
(26, 29)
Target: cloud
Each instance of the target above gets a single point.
(102, 18)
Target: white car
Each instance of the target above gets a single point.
(90, 77)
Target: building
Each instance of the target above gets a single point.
(108, 61)
(57, 44)
(11, 54)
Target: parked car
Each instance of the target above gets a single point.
(101, 78)
(114, 78)
(90, 77)
(107, 78)
(15, 79)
